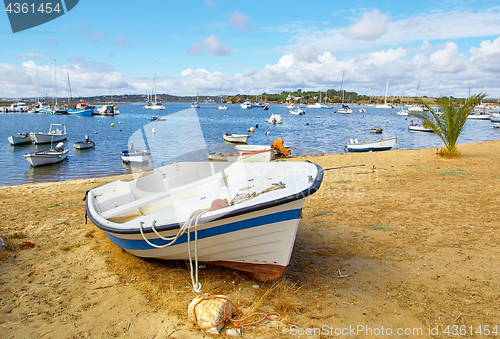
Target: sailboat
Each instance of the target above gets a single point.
(82, 109)
(402, 110)
(385, 104)
(416, 107)
(325, 105)
(221, 106)
(316, 104)
(156, 105)
(345, 109)
(196, 104)
(148, 104)
(58, 109)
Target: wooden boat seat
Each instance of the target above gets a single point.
(167, 194)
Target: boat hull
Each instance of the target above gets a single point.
(47, 157)
(380, 145)
(19, 140)
(420, 129)
(136, 157)
(84, 112)
(255, 236)
(84, 145)
(236, 138)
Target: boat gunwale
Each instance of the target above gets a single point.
(315, 185)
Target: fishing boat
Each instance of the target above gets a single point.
(479, 116)
(344, 109)
(380, 145)
(274, 119)
(297, 111)
(495, 124)
(87, 143)
(138, 157)
(19, 139)
(239, 215)
(376, 130)
(48, 156)
(403, 112)
(417, 128)
(109, 109)
(81, 112)
(56, 133)
(236, 138)
(246, 105)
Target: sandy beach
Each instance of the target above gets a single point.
(402, 240)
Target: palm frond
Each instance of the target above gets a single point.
(451, 122)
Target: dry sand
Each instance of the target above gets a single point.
(415, 238)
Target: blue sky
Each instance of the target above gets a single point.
(252, 47)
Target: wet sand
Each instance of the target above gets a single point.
(409, 241)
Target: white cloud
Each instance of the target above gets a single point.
(239, 20)
(448, 60)
(487, 57)
(306, 53)
(212, 45)
(370, 27)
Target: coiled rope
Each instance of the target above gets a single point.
(234, 320)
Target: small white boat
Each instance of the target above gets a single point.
(298, 111)
(345, 109)
(138, 157)
(418, 128)
(479, 116)
(157, 106)
(195, 105)
(48, 156)
(56, 133)
(315, 105)
(380, 145)
(19, 139)
(243, 215)
(362, 110)
(495, 117)
(495, 124)
(246, 105)
(236, 138)
(222, 107)
(274, 119)
(87, 143)
(107, 110)
(403, 112)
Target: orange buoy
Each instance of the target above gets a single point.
(319, 116)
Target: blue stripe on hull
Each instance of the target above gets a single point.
(140, 244)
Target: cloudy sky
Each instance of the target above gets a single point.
(449, 47)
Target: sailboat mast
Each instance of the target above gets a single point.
(55, 78)
(386, 90)
(342, 86)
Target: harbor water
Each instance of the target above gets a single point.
(188, 134)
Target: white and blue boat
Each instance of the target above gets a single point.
(380, 145)
(240, 215)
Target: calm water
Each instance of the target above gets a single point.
(189, 134)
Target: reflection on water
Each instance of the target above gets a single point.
(189, 135)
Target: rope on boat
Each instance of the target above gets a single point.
(194, 217)
(239, 198)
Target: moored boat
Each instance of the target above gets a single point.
(236, 138)
(56, 133)
(132, 156)
(274, 119)
(19, 139)
(246, 214)
(376, 130)
(87, 143)
(379, 145)
(48, 156)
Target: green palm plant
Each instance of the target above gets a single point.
(450, 122)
